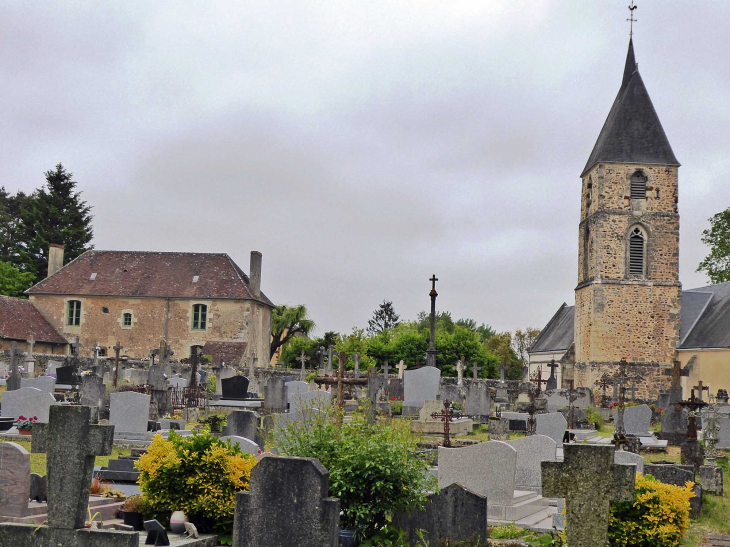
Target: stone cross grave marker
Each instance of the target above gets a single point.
(29, 356)
(15, 354)
(700, 388)
(475, 370)
(589, 480)
(460, 371)
(330, 365)
(356, 358)
(401, 367)
(117, 348)
(31, 345)
(552, 382)
(76, 348)
(303, 360)
(502, 369)
(386, 366)
(288, 504)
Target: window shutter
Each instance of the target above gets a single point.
(636, 254)
(638, 186)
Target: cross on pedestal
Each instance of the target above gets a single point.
(431, 352)
(475, 370)
(589, 481)
(459, 371)
(303, 360)
(15, 354)
(700, 388)
(76, 348)
(71, 443)
(552, 382)
(502, 369)
(31, 345)
(677, 372)
(401, 368)
(446, 416)
(385, 370)
(340, 381)
(117, 348)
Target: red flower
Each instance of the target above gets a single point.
(394, 399)
(21, 417)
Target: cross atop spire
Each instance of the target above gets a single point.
(632, 7)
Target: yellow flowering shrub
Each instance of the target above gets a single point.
(198, 475)
(658, 516)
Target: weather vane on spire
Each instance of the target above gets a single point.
(632, 7)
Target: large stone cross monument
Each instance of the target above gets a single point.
(589, 481)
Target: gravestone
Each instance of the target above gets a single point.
(589, 481)
(47, 384)
(288, 504)
(244, 423)
(14, 480)
(555, 400)
(455, 513)
(92, 392)
(531, 452)
(247, 446)
(637, 420)
(317, 399)
(275, 394)
(156, 379)
(52, 366)
(292, 388)
(629, 458)
(678, 475)
(27, 401)
(419, 386)
(178, 383)
(234, 388)
(129, 411)
(723, 435)
(453, 393)
(553, 425)
(38, 488)
(477, 402)
(220, 375)
(71, 443)
(487, 468)
(67, 376)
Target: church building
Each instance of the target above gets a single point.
(629, 302)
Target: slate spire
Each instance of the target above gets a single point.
(632, 132)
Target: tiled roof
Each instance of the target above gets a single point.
(230, 353)
(151, 274)
(558, 333)
(632, 132)
(19, 320)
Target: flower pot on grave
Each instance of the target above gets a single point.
(25, 431)
(177, 522)
(133, 519)
(347, 538)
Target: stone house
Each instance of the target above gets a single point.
(629, 302)
(20, 322)
(140, 298)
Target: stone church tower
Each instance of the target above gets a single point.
(628, 297)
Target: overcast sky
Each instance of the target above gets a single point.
(361, 146)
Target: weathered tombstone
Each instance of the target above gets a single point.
(723, 436)
(589, 481)
(288, 504)
(552, 425)
(178, 382)
(27, 401)
(38, 488)
(235, 388)
(678, 475)
(455, 513)
(275, 394)
(477, 402)
(637, 420)
(71, 443)
(156, 378)
(47, 384)
(14, 480)
(244, 423)
(419, 386)
(129, 411)
(531, 452)
(629, 458)
(92, 392)
(292, 388)
(487, 469)
(306, 400)
(247, 446)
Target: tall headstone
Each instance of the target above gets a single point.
(553, 425)
(531, 452)
(420, 385)
(288, 504)
(129, 411)
(14, 480)
(455, 513)
(13, 381)
(275, 394)
(92, 391)
(589, 481)
(477, 402)
(637, 420)
(244, 423)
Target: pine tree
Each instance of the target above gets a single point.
(10, 207)
(384, 318)
(53, 214)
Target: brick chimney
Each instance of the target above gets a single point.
(55, 258)
(255, 274)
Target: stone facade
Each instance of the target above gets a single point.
(617, 314)
(101, 321)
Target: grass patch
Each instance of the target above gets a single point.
(38, 460)
(715, 515)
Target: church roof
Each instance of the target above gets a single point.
(19, 320)
(558, 333)
(151, 274)
(632, 132)
(704, 322)
(225, 352)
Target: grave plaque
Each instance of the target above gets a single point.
(637, 420)
(235, 388)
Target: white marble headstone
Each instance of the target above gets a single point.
(420, 385)
(129, 411)
(46, 384)
(637, 420)
(317, 399)
(530, 452)
(552, 425)
(29, 402)
(247, 446)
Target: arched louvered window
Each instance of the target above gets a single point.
(637, 251)
(638, 185)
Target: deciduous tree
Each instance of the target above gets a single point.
(717, 264)
(286, 322)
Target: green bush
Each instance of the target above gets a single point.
(594, 417)
(658, 516)
(375, 470)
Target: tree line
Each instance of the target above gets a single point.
(29, 223)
